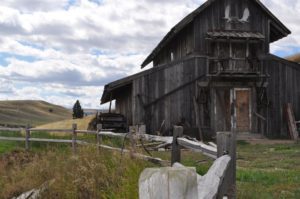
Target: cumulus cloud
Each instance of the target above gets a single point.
(35, 5)
(6, 87)
(63, 50)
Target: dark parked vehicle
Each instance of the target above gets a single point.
(113, 121)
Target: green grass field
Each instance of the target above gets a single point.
(31, 112)
(264, 171)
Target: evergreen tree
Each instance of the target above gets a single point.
(77, 110)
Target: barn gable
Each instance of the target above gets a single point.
(211, 16)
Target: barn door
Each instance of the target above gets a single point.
(243, 109)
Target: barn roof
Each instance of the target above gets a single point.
(190, 18)
(108, 93)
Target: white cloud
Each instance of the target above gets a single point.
(35, 5)
(6, 87)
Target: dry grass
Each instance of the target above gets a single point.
(82, 124)
(31, 112)
(91, 174)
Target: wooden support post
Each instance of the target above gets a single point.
(226, 142)
(98, 136)
(74, 138)
(176, 156)
(27, 137)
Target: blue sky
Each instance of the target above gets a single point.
(64, 50)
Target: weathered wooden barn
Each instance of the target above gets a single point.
(214, 62)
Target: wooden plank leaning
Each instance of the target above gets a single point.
(292, 126)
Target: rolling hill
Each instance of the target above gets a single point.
(22, 112)
(294, 58)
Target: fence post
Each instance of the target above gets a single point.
(132, 134)
(74, 138)
(27, 137)
(226, 142)
(99, 137)
(177, 132)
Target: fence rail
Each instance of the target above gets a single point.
(207, 150)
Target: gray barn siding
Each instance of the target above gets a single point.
(182, 46)
(174, 106)
(124, 104)
(282, 89)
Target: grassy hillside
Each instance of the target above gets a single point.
(82, 124)
(31, 112)
(294, 58)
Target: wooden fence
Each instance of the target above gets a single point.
(213, 185)
(217, 183)
(135, 133)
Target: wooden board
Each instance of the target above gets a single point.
(291, 122)
(243, 110)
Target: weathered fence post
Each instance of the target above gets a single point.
(141, 129)
(177, 132)
(27, 137)
(226, 142)
(74, 138)
(99, 137)
(132, 135)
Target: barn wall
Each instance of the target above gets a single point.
(169, 101)
(181, 46)
(124, 103)
(283, 88)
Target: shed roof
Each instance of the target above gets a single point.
(189, 18)
(109, 88)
